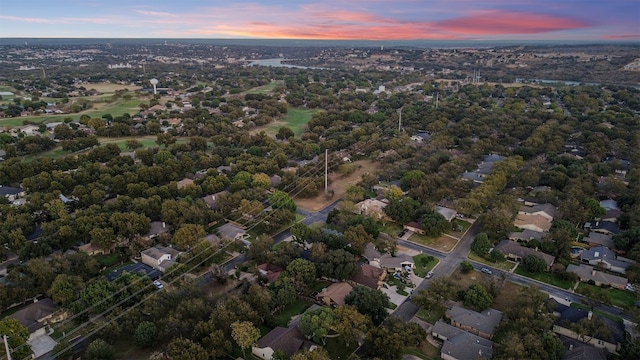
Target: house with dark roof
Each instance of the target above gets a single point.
(270, 272)
(369, 276)
(603, 227)
(159, 257)
(605, 258)
(610, 338)
(589, 273)
(527, 235)
(459, 344)
(289, 340)
(577, 350)
(482, 324)
(334, 294)
(517, 252)
(595, 239)
(38, 315)
(11, 193)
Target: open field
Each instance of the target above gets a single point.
(339, 185)
(265, 89)
(296, 119)
(109, 87)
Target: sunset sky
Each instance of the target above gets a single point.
(327, 19)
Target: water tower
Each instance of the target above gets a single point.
(154, 82)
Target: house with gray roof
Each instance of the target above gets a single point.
(396, 263)
(159, 257)
(11, 193)
(595, 239)
(289, 340)
(526, 235)
(213, 200)
(232, 231)
(611, 339)
(482, 324)
(600, 278)
(447, 213)
(517, 252)
(605, 258)
(603, 227)
(459, 344)
(156, 229)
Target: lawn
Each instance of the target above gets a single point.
(430, 315)
(545, 277)
(297, 307)
(503, 265)
(425, 351)
(296, 119)
(337, 348)
(443, 243)
(621, 298)
(595, 311)
(424, 264)
(107, 260)
(265, 89)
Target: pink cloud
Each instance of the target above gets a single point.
(498, 22)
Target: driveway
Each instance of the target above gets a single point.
(394, 297)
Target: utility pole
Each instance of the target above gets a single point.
(326, 171)
(400, 120)
(436, 100)
(6, 346)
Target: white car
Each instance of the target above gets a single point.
(158, 284)
(429, 275)
(486, 271)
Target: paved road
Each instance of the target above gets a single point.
(449, 262)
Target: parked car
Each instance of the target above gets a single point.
(486, 271)
(402, 233)
(429, 275)
(158, 284)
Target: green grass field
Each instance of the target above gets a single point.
(545, 277)
(297, 307)
(265, 89)
(424, 264)
(296, 119)
(116, 108)
(620, 298)
(503, 265)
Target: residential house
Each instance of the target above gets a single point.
(372, 207)
(289, 340)
(603, 227)
(595, 239)
(11, 193)
(159, 257)
(414, 226)
(447, 213)
(91, 250)
(334, 294)
(527, 235)
(612, 215)
(38, 315)
(536, 222)
(399, 263)
(372, 254)
(232, 231)
(37, 318)
(577, 350)
(369, 276)
(611, 340)
(184, 183)
(547, 210)
(459, 344)
(484, 168)
(600, 278)
(482, 323)
(213, 200)
(605, 258)
(517, 252)
(156, 229)
(270, 272)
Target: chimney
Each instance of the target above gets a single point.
(570, 347)
(593, 273)
(590, 315)
(164, 225)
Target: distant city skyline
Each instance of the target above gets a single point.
(328, 19)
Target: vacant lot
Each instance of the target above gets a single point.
(109, 87)
(339, 185)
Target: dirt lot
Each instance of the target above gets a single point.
(339, 185)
